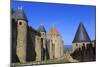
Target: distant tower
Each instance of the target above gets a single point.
(21, 34)
(56, 44)
(42, 30)
(81, 37)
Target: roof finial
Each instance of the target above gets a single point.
(81, 21)
(20, 7)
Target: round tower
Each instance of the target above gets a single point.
(42, 30)
(21, 34)
(56, 48)
(81, 37)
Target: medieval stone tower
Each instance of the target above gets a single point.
(55, 44)
(81, 37)
(42, 30)
(21, 34)
(38, 48)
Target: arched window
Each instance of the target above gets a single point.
(83, 44)
(20, 23)
(43, 33)
(76, 44)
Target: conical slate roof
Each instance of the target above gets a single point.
(12, 13)
(41, 28)
(53, 31)
(19, 14)
(81, 34)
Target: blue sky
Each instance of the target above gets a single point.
(65, 18)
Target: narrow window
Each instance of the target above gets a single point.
(20, 23)
(76, 45)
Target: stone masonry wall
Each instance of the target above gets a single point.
(21, 40)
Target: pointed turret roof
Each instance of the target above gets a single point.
(53, 31)
(81, 34)
(41, 28)
(12, 11)
(19, 14)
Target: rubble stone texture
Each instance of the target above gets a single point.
(21, 40)
(38, 48)
(56, 45)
